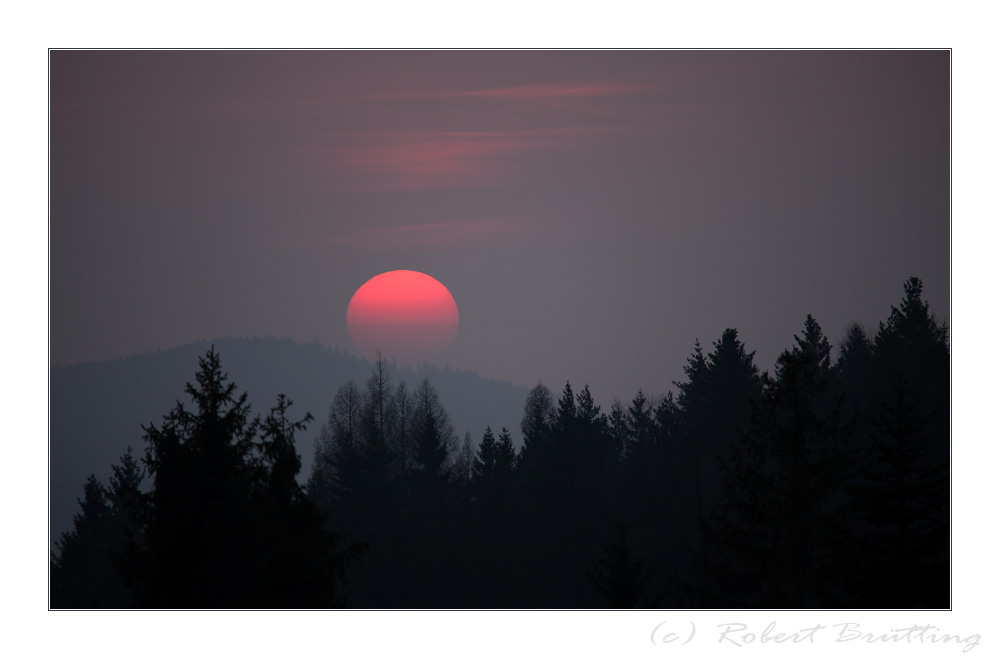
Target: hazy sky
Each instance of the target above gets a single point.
(593, 213)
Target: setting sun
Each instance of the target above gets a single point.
(405, 314)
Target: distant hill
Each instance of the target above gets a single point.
(97, 409)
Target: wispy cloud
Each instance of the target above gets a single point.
(523, 93)
(549, 91)
(545, 91)
(432, 160)
(452, 233)
(422, 138)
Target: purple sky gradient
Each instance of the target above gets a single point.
(593, 213)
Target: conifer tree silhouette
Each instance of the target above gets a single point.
(622, 579)
(856, 375)
(911, 344)
(539, 413)
(88, 569)
(82, 571)
(493, 468)
(900, 551)
(228, 525)
(434, 431)
(768, 537)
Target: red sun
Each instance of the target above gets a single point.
(406, 314)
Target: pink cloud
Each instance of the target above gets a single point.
(539, 92)
(432, 160)
(453, 233)
(542, 92)
(531, 92)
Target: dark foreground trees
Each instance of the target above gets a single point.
(225, 525)
(838, 494)
(822, 483)
(85, 566)
(395, 486)
(768, 534)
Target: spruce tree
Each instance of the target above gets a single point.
(622, 579)
(83, 575)
(228, 525)
(899, 503)
(769, 540)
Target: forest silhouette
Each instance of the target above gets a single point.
(823, 483)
